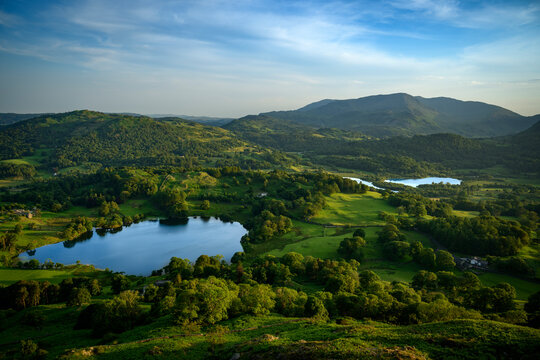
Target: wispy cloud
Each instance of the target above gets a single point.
(500, 15)
(291, 50)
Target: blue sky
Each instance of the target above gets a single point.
(232, 58)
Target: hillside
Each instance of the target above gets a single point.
(79, 137)
(12, 118)
(403, 114)
(289, 136)
(417, 155)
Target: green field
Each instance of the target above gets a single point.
(15, 161)
(354, 209)
(524, 288)
(9, 275)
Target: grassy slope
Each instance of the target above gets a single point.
(272, 336)
(354, 209)
(10, 275)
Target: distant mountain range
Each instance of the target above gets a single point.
(379, 116)
(12, 118)
(403, 114)
(257, 141)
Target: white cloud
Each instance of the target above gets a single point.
(247, 57)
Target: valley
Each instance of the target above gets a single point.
(315, 252)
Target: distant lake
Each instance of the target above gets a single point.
(146, 246)
(360, 181)
(425, 181)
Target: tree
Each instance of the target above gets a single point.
(424, 280)
(257, 299)
(533, 303)
(204, 301)
(444, 260)
(315, 308)
(205, 205)
(179, 266)
(359, 232)
(120, 283)
(95, 287)
(352, 248)
(290, 302)
(294, 261)
(428, 258)
(18, 229)
(396, 250)
(78, 297)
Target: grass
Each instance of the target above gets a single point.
(354, 209)
(9, 275)
(524, 288)
(273, 336)
(139, 206)
(15, 161)
(393, 271)
(463, 213)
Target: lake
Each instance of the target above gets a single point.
(425, 181)
(146, 246)
(360, 181)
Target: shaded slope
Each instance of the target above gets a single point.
(12, 118)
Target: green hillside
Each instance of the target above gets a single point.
(83, 137)
(417, 155)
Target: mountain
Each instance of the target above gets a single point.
(79, 137)
(11, 118)
(403, 114)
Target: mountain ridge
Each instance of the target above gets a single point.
(404, 114)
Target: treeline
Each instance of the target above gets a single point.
(481, 235)
(9, 170)
(419, 155)
(29, 293)
(211, 290)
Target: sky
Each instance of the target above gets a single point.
(233, 58)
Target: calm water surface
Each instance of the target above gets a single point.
(425, 181)
(360, 181)
(146, 246)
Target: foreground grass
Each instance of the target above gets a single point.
(273, 336)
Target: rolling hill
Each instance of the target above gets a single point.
(403, 114)
(78, 137)
(414, 155)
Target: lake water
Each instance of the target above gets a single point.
(360, 181)
(425, 181)
(148, 245)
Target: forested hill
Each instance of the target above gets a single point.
(527, 142)
(289, 136)
(403, 114)
(417, 155)
(77, 137)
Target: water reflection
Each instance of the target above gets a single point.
(146, 246)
